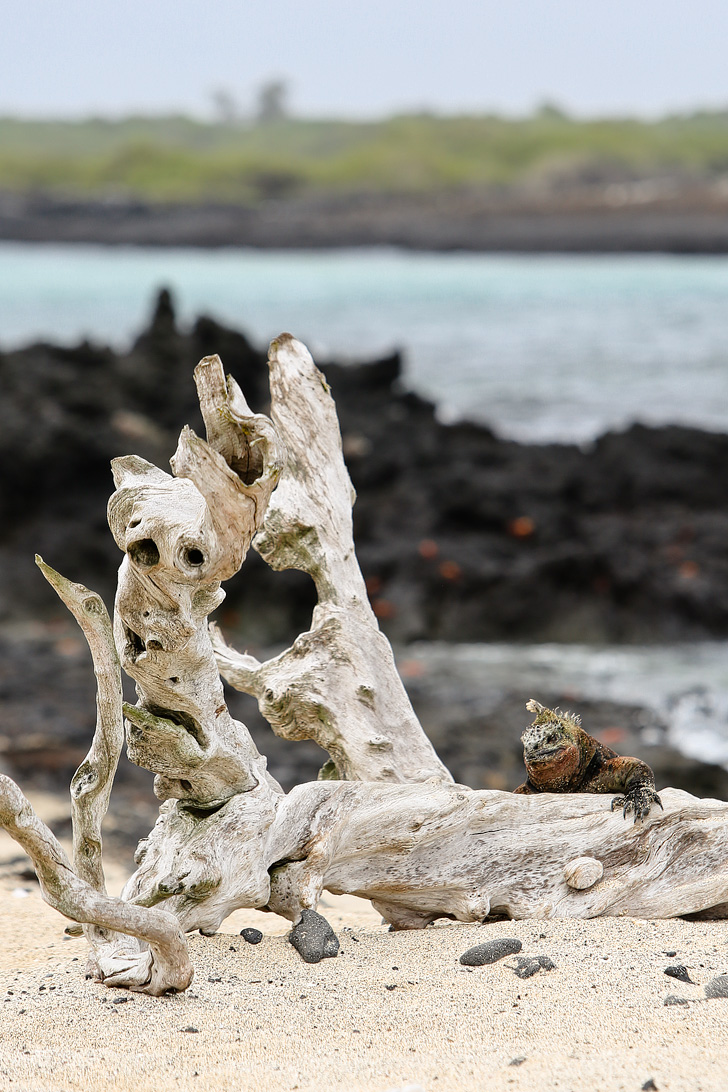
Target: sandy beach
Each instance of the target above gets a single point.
(393, 1011)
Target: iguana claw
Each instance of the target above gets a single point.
(639, 800)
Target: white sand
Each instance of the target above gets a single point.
(266, 1021)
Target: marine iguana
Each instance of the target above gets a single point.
(561, 757)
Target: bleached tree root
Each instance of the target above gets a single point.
(160, 963)
(338, 683)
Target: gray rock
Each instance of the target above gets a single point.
(717, 987)
(313, 938)
(527, 966)
(546, 963)
(672, 999)
(680, 973)
(253, 936)
(490, 952)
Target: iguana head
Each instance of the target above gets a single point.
(551, 746)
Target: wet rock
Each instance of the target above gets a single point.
(313, 938)
(680, 972)
(717, 987)
(253, 936)
(490, 952)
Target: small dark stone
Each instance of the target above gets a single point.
(547, 964)
(649, 1086)
(518, 1061)
(680, 972)
(490, 952)
(391, 987)
(120, 1001)
(527, 966)
(672, 999)
(190, 1028)
(717, 987)
(253, 936)
(313, 938)
(670, 954)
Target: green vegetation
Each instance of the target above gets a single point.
(178, 159)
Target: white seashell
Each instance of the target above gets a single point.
(583, 872)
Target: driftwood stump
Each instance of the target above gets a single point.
(385, 820)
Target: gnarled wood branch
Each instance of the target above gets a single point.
(181, 536)
(92, 782)
(120, 960)
(338, 683)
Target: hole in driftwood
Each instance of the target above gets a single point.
(249, 466)
(184, 720)
(194, 557)
(144, 553)
(134, 644)
(199, 812)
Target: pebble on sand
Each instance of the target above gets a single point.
(253, 936)
(680, 973)
(717, 987)
(490, 952)
(529, 965)
(313, 938)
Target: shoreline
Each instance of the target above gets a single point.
(472, 222)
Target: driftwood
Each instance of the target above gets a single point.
(338, 683)
(385, 822)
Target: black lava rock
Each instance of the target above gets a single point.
(527, 966)
(490, 952)
(313, 938)
(679, 972)
(253, 936)
(546, 963)
(717, 987)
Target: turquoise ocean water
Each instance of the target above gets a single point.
(539, 346)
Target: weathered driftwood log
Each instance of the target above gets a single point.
(338, 683)
(421, 852)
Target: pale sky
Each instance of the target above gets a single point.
(365, 58)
